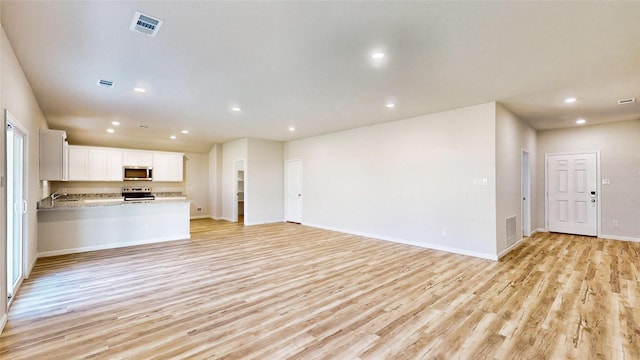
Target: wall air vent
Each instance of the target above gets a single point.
(626, 101)
(510, 223)
(105, 83)
(145, 24)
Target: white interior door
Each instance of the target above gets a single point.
(526, 195)
(16, 206)
(293, 191)
(572, 194)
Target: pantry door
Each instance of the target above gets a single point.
(572, 194)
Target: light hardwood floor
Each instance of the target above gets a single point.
(288, 291)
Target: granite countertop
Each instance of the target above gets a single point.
(74, 201)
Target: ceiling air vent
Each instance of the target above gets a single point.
(626, 101)
(105, 83)
(145, 24)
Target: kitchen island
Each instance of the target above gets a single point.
(80, 224)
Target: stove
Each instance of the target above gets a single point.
(137, 193)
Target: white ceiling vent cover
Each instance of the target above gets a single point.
(626, 101)
(145, 24)
(105, 83)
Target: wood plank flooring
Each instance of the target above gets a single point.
(283, 291)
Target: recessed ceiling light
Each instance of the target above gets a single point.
(172, 137)
(185, 131)
(377, 55)
(111, 131)
(139, 90)
(236, 109)
(115, 123)
(581, 121)
(570, 100)
(390, 105)
(292, 129)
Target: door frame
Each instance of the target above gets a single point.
(239, 164)
(525, 192)
(10, 119)
(598, 187)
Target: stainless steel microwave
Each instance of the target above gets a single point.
(138, 173)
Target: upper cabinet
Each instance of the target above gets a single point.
(53, 155)
(88, 163)
(168, 166)
(137, 158)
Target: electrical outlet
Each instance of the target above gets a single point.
(198, 209)
(444, 232)
(616, 223)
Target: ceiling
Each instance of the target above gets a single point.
(308, 65)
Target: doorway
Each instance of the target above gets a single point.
(16, 204)
(239, 179)
(526, 194)
(293, 191)
(572, 193)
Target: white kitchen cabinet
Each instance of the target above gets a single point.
(90, 163)
(168, 166)
(53, 155)
(94, 164)
(97, 164)
(137, 158)
(78, 163)
(114, 165)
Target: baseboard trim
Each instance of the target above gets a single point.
(408, 242)
(512, 247)
(541, 230)
(112, 246)
(616, 237)
(216, 218)
(262, 223)
(30, 267)
(3, 322)
(200, 217)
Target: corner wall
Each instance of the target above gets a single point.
(264, 182)
(231, 151)
(512, 136)
(196, 183)
(215, 182)
(418, 181)
(17, 96)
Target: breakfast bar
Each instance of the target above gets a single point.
(93, 223)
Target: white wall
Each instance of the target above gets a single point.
(196, 183)
(264, 181)
(512, 136)
(215, 181)
(16, 96)
(619, 146)
(407, 180)
(233, 150)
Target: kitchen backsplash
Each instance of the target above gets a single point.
(110, 187)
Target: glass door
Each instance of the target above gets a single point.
(16, 207)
